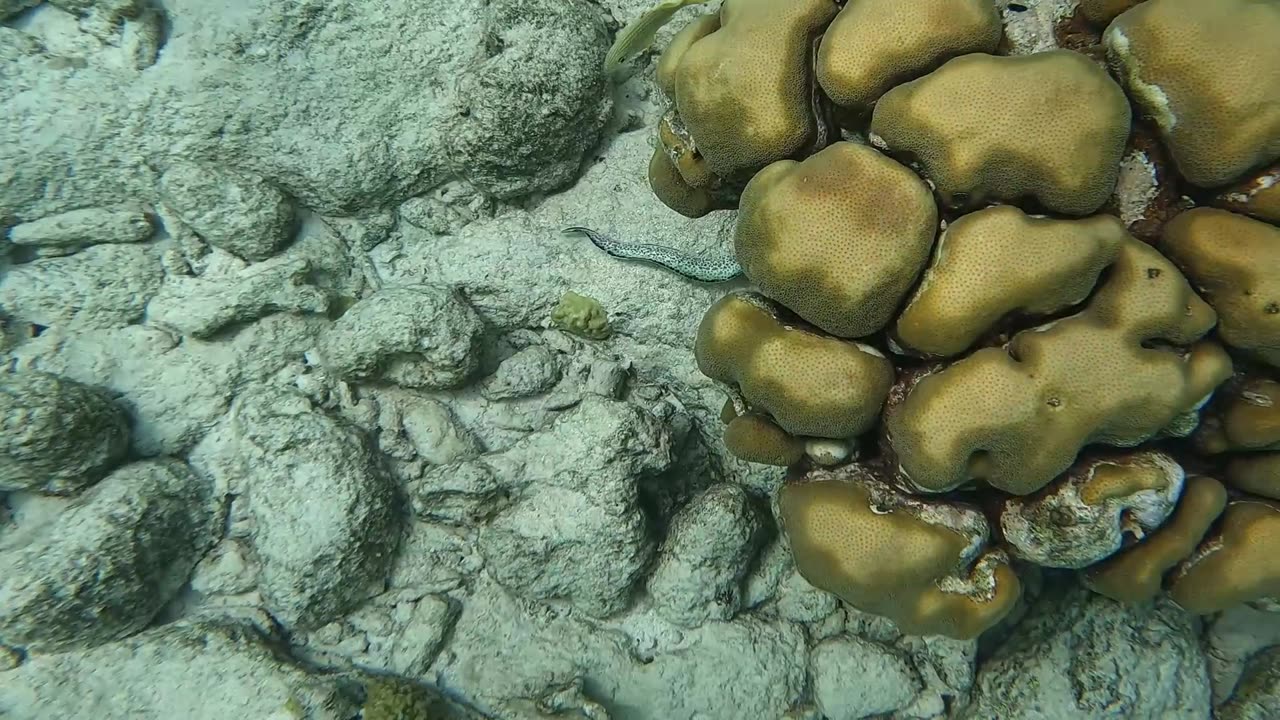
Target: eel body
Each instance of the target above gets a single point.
(715, 268)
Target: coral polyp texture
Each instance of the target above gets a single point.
(875, 44)
(1235, 262)
(810, 384)
(1208, 73)
(1104, 11)
(924, 563)
(1237, 564)
(1258, 194)
(956, 341)
(742, 89)
(986, 128)
(1119, 372)
(838, 238)
(995, 262)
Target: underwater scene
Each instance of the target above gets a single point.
(639, 360)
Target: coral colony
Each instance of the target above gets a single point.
(967, 360)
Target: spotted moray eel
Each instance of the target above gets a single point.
(715, 268)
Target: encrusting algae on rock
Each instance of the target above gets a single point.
(581, 315)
